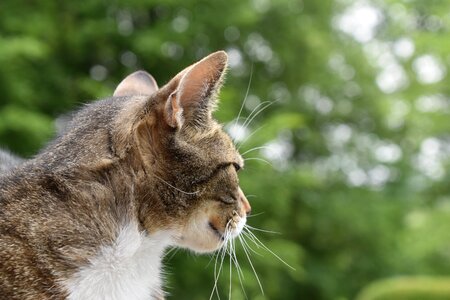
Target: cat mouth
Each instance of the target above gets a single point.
(216, 231)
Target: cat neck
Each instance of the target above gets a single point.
(129, 268)
(118, 259)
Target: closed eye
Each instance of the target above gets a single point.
(227, 199)
(236, 166)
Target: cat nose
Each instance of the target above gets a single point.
(245, 204)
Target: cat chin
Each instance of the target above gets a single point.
(209, 240)
(203, 250)
(202, 243)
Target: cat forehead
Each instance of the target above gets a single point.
(230, 152)
(215, 139)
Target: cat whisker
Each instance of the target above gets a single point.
(248, 245)
(213, 256)
(259, 159)
(259, 108)
(255, 215)
(230, 249)
(228, 241)
(236, 262)
(230, 254)
(254, 149)
(252, 116)
(221, 253)
(220, 271)
(246, 123)
(251, 264)
(240, 144)
(258, 242)
(239, 271)
(174, 187)
(262, 230)
(263, 108)
(172, 253)
(246, 95)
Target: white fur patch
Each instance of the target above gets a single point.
(239, 227)
(241, 224)
(129, 269)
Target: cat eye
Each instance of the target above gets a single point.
(237, 167)
(227, 199)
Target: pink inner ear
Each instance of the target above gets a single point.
(197, 85)
(138, 83)
(202, 79)
(192, 88)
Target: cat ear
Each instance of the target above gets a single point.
(138, 83)
(193, 99)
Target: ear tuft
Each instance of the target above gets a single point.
(174, 112)
(137, 83)
(221, 59)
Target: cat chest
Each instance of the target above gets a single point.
(128, 269)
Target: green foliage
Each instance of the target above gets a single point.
(356, 138)
(414, 288)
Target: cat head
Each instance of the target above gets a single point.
(189, 165)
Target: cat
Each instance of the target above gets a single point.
(8, 161)
(91, 215)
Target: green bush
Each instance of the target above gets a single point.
(408, 288)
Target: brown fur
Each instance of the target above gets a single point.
(157, 159)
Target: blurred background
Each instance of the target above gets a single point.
(345, 127)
